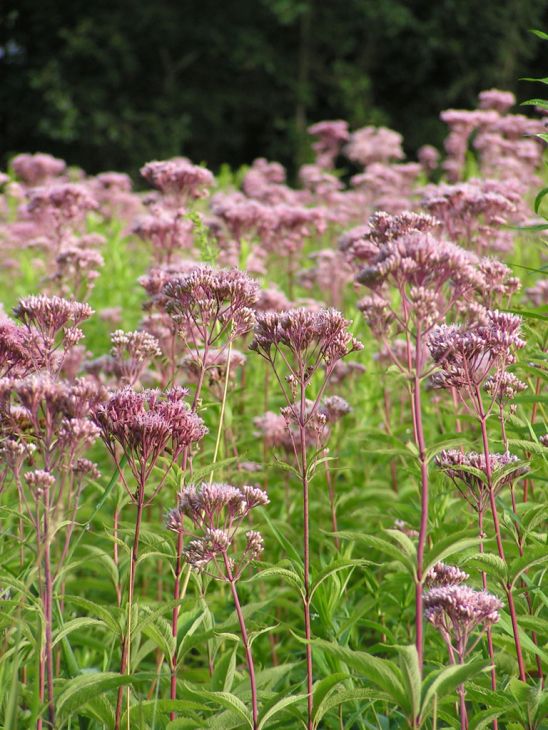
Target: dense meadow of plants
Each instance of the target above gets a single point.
(274, 457)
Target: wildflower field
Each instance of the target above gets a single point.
(274, 456)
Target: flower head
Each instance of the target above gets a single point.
(462, 469)
(167, 232)
(500, 101)
(467, 355)
(36, 169)
(208, 298)
(202, 551)
(442, 575)
(146, 424)
(421, 260)
(331, 135)
(48, 315)
(456, 610)
(374, 144)
(60, 203)
(504, 387)
(178, 177)
(132, 351)
(216, 511)
(320, 335)
(39, 480)
(218, 504)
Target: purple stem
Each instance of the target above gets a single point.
(245, 640)
(306, 542)
(331, 491)
(180, 537)
(496, 524)
(48, 593)
(423, 530)
(489, 630)
(132, 572)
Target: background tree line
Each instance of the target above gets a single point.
(113, 83)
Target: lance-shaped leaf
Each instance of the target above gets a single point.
(381, 544)
(450, 545)
(444, 681)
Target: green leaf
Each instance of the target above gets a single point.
(313, 466)
(526, 643)
(10, 701)
(159, 632)
(147, 616)
(541, 80)
(223, 675)
(98, 507)
(289, 575)
(380, 544)
(490, 564)
(542, 103)
(255, 634)
(532, 446)
(203, 473)
(405, 542)
(535, 556)
(382, 672)
(534, 226)
(267, 678)
(411, 676)
(106, 614)
(349, 695)
(504, 471)
(481, 694)
(74, 625)
(483, 719)
(150, 708)
(444, 681)
(80, 690)
(540, 196)
(279, 707)
(455, 543)
(540, 34)
(283, 541)
(446, 443)
(323, 688)
(333, 568)
(98, 709)
(104, 560)
(225, 699)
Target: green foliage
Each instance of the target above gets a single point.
(363, 574)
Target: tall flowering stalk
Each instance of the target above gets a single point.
(302, 343)
(456, 611)
(145, 425)
(50, 328)
(216, 512)
(426, 276)
(283, 431)
(503, 389)
(466, 357)
(463, 469)
(158, 323)
(44, 421)
(208, 309)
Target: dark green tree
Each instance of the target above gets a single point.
(113, 83)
